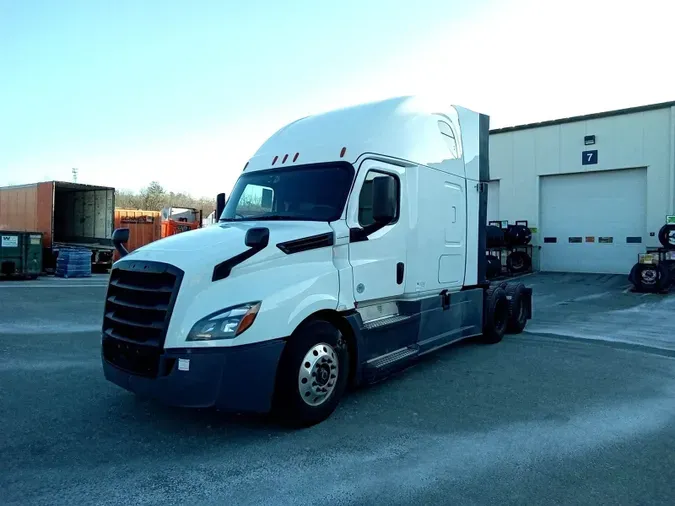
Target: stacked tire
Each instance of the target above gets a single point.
(494, 237)
(655, 278)
(73, 263)
(650, 278)
(519, 261)
(667, 236)
(517, 235)
(493, 266)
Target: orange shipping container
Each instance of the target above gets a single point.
(144, 227)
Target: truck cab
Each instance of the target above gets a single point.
(352, 243)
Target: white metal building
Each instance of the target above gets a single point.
(595, 189)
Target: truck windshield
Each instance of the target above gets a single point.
(305, 193)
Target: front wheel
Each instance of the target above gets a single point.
(312, 374)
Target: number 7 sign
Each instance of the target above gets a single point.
(589, 157)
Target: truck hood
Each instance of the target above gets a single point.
(206, 247)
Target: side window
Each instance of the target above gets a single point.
(255, 200)
(366, 197)
(449, 138)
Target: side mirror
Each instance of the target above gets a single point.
(119, 238)
(220, 205)
(257, 238)
(385, 198)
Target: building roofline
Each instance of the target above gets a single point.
(585, 117)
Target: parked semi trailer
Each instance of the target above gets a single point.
(67, 214)
(352, 244)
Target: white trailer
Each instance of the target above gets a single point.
(352, 243)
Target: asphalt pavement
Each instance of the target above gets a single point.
(536, 420)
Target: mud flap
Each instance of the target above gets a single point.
(527, 302)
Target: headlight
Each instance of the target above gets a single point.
(225, 324)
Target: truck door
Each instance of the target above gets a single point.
(378, 258)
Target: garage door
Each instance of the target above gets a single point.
(593, 222)
(493, 201)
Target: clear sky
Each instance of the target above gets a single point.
(183, 92)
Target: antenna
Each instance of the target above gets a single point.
(74, 175)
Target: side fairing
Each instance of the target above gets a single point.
(475, 143)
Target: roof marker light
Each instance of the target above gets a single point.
(285, 158)
(275, 160)
(343, 151)
(296, 156)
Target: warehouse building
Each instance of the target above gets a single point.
(594, 189)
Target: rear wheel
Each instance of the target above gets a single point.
(312, 374)
(496, 311)
(517, 314)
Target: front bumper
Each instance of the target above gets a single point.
(235, 379)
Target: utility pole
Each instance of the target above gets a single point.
(74, 175)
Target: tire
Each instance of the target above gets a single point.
(517, 316)
(518, 261)
(667, 236)
(652, 278)
(493, 266)
(632, 276)
(518, 235)
(323, 347)
(494, 237)
(496, 311)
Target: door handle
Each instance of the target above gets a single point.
(454, 214)
(400, 271)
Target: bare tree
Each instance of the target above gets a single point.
(153, 198)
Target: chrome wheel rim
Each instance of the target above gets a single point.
(318, 374)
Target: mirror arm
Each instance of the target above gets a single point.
(361, 234)
(121, 249)
(118, 243)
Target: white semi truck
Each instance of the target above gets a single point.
(352, 243)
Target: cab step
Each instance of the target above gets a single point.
(381, 366)
(386, 321)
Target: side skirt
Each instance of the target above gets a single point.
(412, 329)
